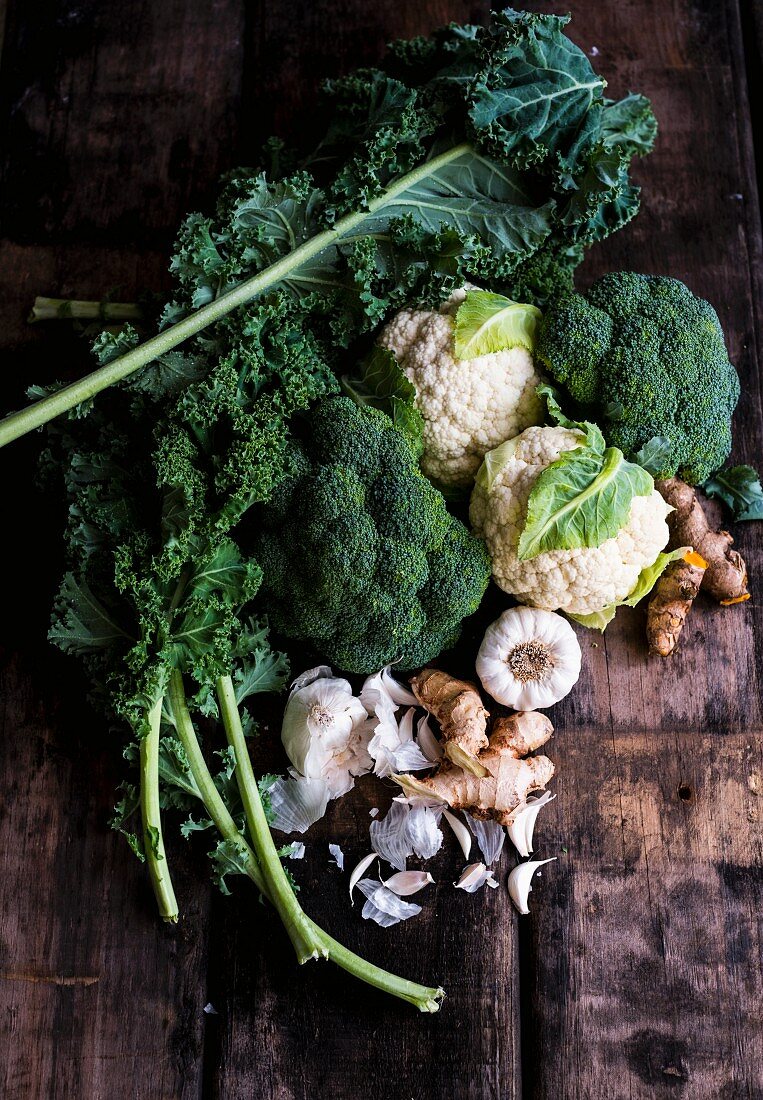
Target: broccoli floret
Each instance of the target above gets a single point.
(645, 358)
(360, 555)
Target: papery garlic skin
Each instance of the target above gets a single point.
(392, 746)
(529, 659)
(520, 882)
(384, 906)
(325, 730)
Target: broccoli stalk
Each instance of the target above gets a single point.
(261, 859)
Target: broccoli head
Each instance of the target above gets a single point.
(360, 555)
(646, 359)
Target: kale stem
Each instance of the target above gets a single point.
(279, 888)
(150, 812)
(34, 416)
(426, 999)
(210, 795)
(70, 309)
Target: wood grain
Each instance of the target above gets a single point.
(104, 147)
(639, 972)
(643, 956)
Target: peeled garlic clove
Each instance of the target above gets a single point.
(474, 877)
(360, 870)
(520, 882)
(405, 883)
(523, 824)
(534, 806)
(517, 830)
(529, 658)
(427, 742)
(463, 836)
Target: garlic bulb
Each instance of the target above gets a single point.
(529, 658)
(325, 730)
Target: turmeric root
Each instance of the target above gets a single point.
(457, 706)
(726, 575)
(671, 602)
(508, 778)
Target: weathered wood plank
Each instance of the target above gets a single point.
(115, 122)
(97, 997)
(643, 953)
(642, 960)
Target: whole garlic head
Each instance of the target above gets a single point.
(325, 730)
(529, 659)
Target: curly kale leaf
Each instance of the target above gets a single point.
(740, 490)
(532, 98)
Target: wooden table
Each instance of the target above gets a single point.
(638, 973)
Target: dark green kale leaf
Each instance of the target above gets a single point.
(740, 490)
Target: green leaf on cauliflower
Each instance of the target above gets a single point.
(493, 463)
(582, 499)
(593, 436)
(648, 578)
(487, 322)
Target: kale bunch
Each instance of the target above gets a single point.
(360, 555)
(487, 154)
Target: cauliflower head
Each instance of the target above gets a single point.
(469, 406)
(581, 581)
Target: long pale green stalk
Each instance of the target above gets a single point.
(34, 416)
(279, 887)
(306, 943)
(150, 813)
(71, 309)
(425, 998)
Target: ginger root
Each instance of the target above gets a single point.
(726, 575)
(508, 778)
(457, 706)
(671, 602)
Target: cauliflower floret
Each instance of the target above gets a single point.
(581, 581)
(469, 406)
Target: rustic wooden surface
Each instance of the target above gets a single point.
(639, 972)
